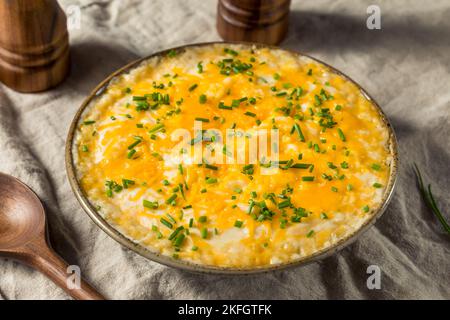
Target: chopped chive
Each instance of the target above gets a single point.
(85, 148)
(172, 53)
(204, 233)
(310, 234)
(165, 182)
(127, 182)
(309, 72)
(376, 167)
(202, 99)
(238, 224)
(284, 204)
(299, 132)
(194, 248)
(338, 107)
(191, 222)
(230, 51)
(334, 189)
(166, 223)
(344, 165)
(250, 114)
(341, 134)
(301, 165)
(134, 144)
(308, 178)
(193, 87)
(180, 186)
(200, 67)
(171, 199)
(171, 218)
(202, 219)
(331, 165)
(377, 185)
(208, 166)
(222, 106)
(211, 180)
(276, 76)
(349, 187)
(365, 209)
(202, 119)
(156, 128)
(175, 233)
(316, 148)
(150, 204)
(88, 122)
(131, 153)
(179, 240)
(323, 215)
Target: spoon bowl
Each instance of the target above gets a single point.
(23, 236)
(21, 213)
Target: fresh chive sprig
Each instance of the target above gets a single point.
(428, 197)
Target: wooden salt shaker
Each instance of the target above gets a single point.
(264, 21)
(34, 44)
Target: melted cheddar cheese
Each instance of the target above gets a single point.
(333, 162)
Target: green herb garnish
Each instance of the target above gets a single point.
(166, 223)
(202, 99)
(150, 204)
(377, 185)
(341, 134)
(428, 197)
(299, 132)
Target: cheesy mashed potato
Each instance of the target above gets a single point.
(333, 168)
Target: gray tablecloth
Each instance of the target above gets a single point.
(405, 66)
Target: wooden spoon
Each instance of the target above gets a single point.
(24, 236)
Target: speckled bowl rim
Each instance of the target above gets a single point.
(194, 267)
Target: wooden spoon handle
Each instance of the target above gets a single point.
(54, 267)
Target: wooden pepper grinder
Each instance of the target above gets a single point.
(34, 44)
(264, 21)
